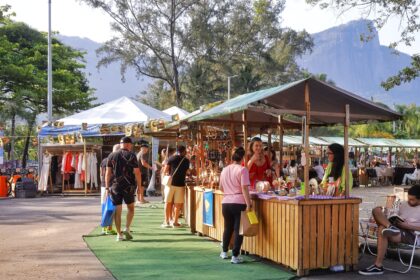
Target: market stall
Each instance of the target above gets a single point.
(303, 232)
(72, 148)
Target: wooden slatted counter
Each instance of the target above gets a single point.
(300, 234)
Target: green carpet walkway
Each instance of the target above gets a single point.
(157, 253)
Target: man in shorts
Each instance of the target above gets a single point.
(177, 167)
(401, 232)
(122, 167)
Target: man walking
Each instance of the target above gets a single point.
(177, 167)
(145, 168)
(123, 169)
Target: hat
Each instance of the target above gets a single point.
(145, 145)
(126, 140)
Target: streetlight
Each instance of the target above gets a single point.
(49, 104)
(229, 77)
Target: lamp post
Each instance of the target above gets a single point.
(49, 104)
(229, 77)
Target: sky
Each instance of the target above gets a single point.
(72, 18)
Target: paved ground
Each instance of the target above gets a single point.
(41, 238)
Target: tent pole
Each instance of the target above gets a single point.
(232, 139)
(245, 132)
(346, 150)
(280, 128)
(308, 121)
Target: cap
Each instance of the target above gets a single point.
(126, 140)
(144, 145)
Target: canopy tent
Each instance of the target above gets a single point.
(408, 143)
(327, 104)
(115, 113)
(176, 110)
(340, 140)
(378, 142)
(295, 140)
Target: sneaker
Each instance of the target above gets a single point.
(236, 260)
(144, 201)
(165, 225)
(391, 231)
(103, 232)
(120, 238)
(372, 270)
(111, 232)
(224, 255)
(128, 235)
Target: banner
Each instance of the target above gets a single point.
(208, 208)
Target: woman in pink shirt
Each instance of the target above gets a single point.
(234, 182)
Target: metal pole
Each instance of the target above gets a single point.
(49, 65)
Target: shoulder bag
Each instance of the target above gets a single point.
(167, 179)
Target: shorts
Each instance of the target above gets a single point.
(119, 194)
(174, 194)
(407, 236)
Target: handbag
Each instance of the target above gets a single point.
(108, 210)
(167, 179)
(249, 224)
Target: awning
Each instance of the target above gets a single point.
(408, 143)
(379, 142)
(340, 140)
(327, 104)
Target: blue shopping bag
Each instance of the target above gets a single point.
(108, 210)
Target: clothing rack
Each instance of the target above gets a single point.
(60, 150)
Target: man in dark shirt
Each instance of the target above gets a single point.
(123, 169)
(177, 167)
(145, 168)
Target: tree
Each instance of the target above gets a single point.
(407, 11)
(192, 46)
(150, 38)
(23, 76)
(242, 38)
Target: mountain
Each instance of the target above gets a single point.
(106, 80)
(358, 66)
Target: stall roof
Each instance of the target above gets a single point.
(379, 142)
(121, 110)
(408, 143)
(327, 104)
(340, 140)
(295, 140)
(116, 113)
(176, 110)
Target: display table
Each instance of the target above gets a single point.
(300, 234)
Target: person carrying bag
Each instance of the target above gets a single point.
(175, 186)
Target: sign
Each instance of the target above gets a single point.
(208, 208)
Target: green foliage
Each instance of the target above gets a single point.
(193, 46)
(23, 78)
(407, 11)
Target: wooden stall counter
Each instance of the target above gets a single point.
(300, 234)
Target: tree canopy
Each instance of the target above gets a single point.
(190, 47)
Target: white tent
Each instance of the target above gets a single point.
(121, 110)
(175, 110)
